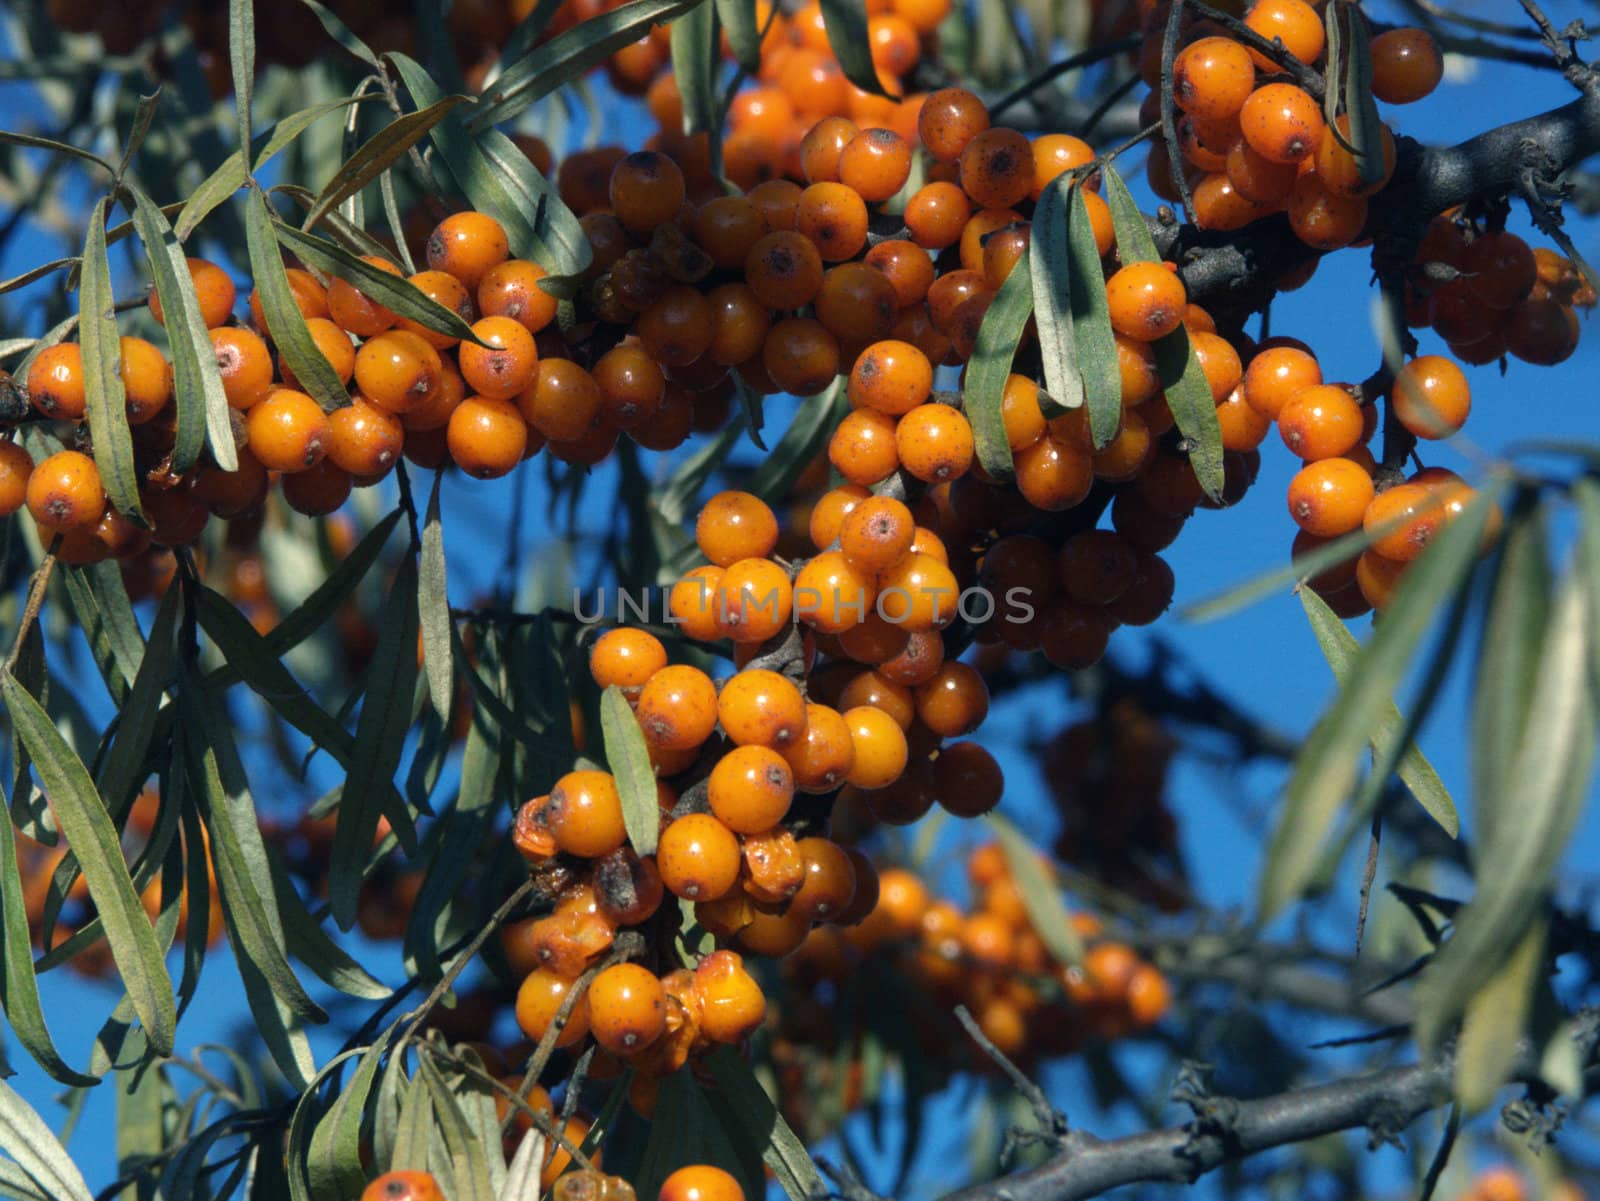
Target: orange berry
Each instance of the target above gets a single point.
(585, 814)
(511, 289)
(692, 603)
(352, 310)
(64, 491)
(1329, 497)
(487, 436)
(1147, 301)
(16, 466)
(754, 601)
(954, 702)
(761, 708)
(1406, 65)
(677, 708)
(822, 757)
(1054, 475)
(732, 1005)
(1431, 397)
(288, 431)
(632, 386)
(1296, 24)
(1213, 78)
(213, 289)
(1282, 123)
(626, 658)
(876, 164)
(146, 379)
(627, 1008)
(505, 364)
(448, 291)
(399, 370)
(403, 1186)
(784, 269)
(735, 525)
(831, 595)
(466, 245)
(935, 443)
(1340, 171)
(363, 439)
(879, 745)
(700, 1182)
(245, 364)
(539, 1001)
(56, 384)
(936, 214)
(1275, 375)
(997, 168)
(698, 857)
(1321, 422)
(863, 447)
(562, 401)
(918, 593)
(750, 789)
(949, 120)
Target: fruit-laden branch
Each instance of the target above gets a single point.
(1240, 270)
(1225, 1130)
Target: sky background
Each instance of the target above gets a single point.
(1264, 658)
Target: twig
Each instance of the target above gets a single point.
(1169, 120)
(1052, 1122)
(1561, 47)
(1441, 1156)
(1369, 872)
(1057, 70)
(1098, 113)
(30, 611)
(417, 1016)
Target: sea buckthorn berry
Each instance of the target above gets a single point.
(1054, 475)
(876, 163)
(829, 884)
(585, 814)
(245, 364)
(822, 149)
(784, 269)
(632, 386)
(828, 514)
(949, 293)
(334, 343)
(936, 214)
(1542, 331)
(891, 377)
(214, 291)
(997, 168)
(1431, 397)
(55, 382)
(1258, 181)
(831, 595)
(761, 708)
(822, 757)
(1402, 520)
(1002, 250)
(935, 443)
(1243, 427)
(700, 1182)
(677, 708)
(739, 324)
(876, 534)
(1322, 220)
(750, 789)
(906, 265)
(627, 1008)
(353, 311)
(880, 747)
(874, 641)
(364, 439)
(444, 289)
(1123, 457)
(676, 329)
(1096, 566)
(511, 289)
(692, 603)
(1321, 422)
(1501, 269)
(1275, 375)
(1146, 301)
(1406, 65)
(1340, 170)
(64, 491)
(726, 227)
(403, 1186)
(754, 601)
(1329, 497)
(288, 431)
(698, 857)
(646, 190)
(732, 1005)
(773, 872)
(834, 218)
(1136, 371)
(918, 593)
(1282, 123)
(309, 297)
(1294, 23)
(398, 370)
(778, 201)
(1377, 577)
(466, 245)
(487, 436)
(626, 658)
(1055, 154)
(869, 688)
(863, 448)
(562, 402)
(949, 120)
(539, 1002)
(505, 364)
(1219, 361)
(856, 304)
(146, 379)
(954, 702)
(318, 490)
(735, 525)
(16, 466)
(800, 356)
(1212, 78)
(1020, 413)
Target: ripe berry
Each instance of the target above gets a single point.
(245, 364)
(585, 814)
(997, 168)
(936, 214)
(834, 218)
(1275, 375)
(698, 857)
(1054, 475)
(403, 1186)
(880, 748)
(363, 439)
(487, 436)
(511, 289)
(735, 525)
(954, 702)
(399, 370)
(677, 708)
(1431, 397)
(754, 601)
(1406, 65)
(1282, 123)
(632, 386)
(1212, 78)
(732, 1005)
(692, 603)
(539, 1002)
(761, 708)
(318, 490)
(800, 356)
(466, 245)
(1329, 497)
(627, 1008)
(935, 443)
(1321, 422)
(949, 120)
(16, 466)
(505, 364)
(875, 163)
(784, 269)
(750, 789)
(64, 491)
(55, 382)
(353, 311)
(213, 289)
(1146, 300)
(146, 379)
(288, 431)
(626, 658)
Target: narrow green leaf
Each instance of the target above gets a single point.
(308, 942)
(1134, 243)
(378, 153)
(333, 1158)
(846, 23)
(102, 372)
(1366, 127)
(122, 771)
(1041, 895)
(101, 607)
(527, 1164)
(468, 1156)
(781, 1148)
(1552, 769)
(416, 1130)
(380, 740)
(1189, 397)
(1092, 338)
(1326, 770)
(1494, 1021)
(1586, 492)
(341, 33)
(1333, 33)
(568, 56)
(805, 437)
(36, 1150)
(391, 291)
(38, 273)
(434, 606)
(990, 366)
(202, 405)
(629, 759)
(242, 62)
(33, 142)
(1231, 600)
(1341, 649)
(93, 839)
(739, 18)
(141, 1136)
(298, 1141)
(1052, 265)
(144, 113)
(696, 56)
(285, 322)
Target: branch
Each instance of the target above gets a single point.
(1226, 1130)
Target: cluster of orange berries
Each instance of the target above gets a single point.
(992, 960)
(1502, 296)
(697, 1182)
(1505, 1183)
(1254, 142)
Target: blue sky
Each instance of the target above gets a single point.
(1264, 658)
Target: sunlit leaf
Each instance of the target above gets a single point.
(990, 366)
(102, 372)
(1041, 895)
(629, 760)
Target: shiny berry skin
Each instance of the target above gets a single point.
(245, 364)
(511, 289)
(448, 291)
(1147, 301)
(466, 245)
(949, 120)
(403, 1186)
(761, 708)
(863, 447)
(784, 269)
(997, 168)
(16, 466)
(1282, 123)
(800, 356)
(1329, 497)
(735, 525)
(1275, 375)
(1212, 78)
(890, 376)
(1431, 397)
(539, 1001)
(213, 289)
(64, 491)
(318, 490)
(751, 788)
(700, 1182)
(56, 384)
(288, 431)
(831, 594)
(626, 658)
(627, 1008)
(364, 439)
(632, 385)
(353, 311)
(821, 758)
(875, 163)
(834, 219)
(936, 214)
(677, 708)
(876, 534)
(1321, 422)
(954, 702)
(935, 443)
(692, 603)
(754, 601)
(880, 747)
(505, 364)
(698, 857)
(647, 189)
(487, 436)
(585, 814)
(1406, 65)
(1293, 22)
(562, 402)
(146, 379)
(399, 370)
